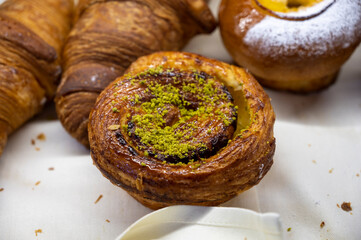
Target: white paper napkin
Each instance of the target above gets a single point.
(205, 223)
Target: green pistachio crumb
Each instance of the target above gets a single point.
(195, 166)
(149, 115)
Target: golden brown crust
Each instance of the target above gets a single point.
(17, 33)
(50, 20)
(190, 11)
(309, 63)
(220, 177)
(75, 107)
(110, 35)
(31, 36)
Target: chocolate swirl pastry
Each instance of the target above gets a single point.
(179, 128)
(108, 36)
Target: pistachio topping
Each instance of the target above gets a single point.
(178, 116)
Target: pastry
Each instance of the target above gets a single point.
(294, 45)
(31, 38)
(108, 36)
(179, 128)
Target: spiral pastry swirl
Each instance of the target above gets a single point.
(178, 128)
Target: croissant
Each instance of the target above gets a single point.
(179, 128)
(108, 37)
(31, 38)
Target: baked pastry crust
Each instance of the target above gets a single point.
(108, 36)
(238, 166)
(299, 51)
(31, 38)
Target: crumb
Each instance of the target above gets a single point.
(107, 220)
(51, 169)
(245, 238)
(309, 145)
(357, 175)
(37, 183)
(32, 142)
(1, 189)
(346, 206)
(338, 205)
(289, 229)
(98, 199)
(330, 171)
(37, 149)
(38, 231)
(41, 137)
(314, 161)
(322, 224)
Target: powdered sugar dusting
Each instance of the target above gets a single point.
(337, 27)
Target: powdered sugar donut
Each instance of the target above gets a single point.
(296, 45)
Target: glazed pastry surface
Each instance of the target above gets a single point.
(108, 37)
(31, 38)
(298, 49)
(179, 128)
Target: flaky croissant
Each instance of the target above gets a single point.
(108, 37)
(179, 128)
(31, 39)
